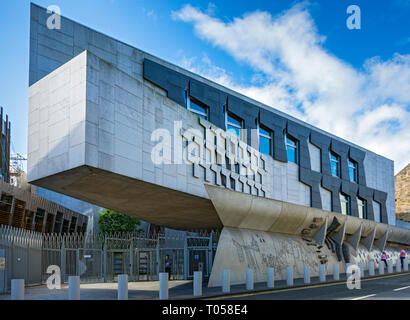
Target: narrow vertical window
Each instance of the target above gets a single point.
(265, 140)
(362, 208)
(352, 170)
(345, 204)
(292, 149)
(335, 164)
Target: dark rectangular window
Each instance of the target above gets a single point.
(292, 149)
(58, 222)
(39, 220)
(352, 170)
(265, 140)
(197, 107)
(362, 207)
(72, 225)
(335, 164)
(345, 204)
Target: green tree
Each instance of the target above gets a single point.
(112, 221)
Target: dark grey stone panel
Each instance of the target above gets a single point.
(323, 143)
(171, 81)
(358, 156)
(212, 97)
(301, 134)
(367, 194)
(333, 185)
(278, 125)
(381, 197)
(350, 189)
(312, 179)
(248, 112)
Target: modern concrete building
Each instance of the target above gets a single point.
(117, 127)
(20, 208)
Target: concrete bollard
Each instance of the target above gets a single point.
(17, 289)
(390, 266)
(270, 277)
(123, 287)
(398, 265)
(336, 271)
(249, 279)
(163, 285)
(348, 272)
(226, 281)
(361, 272)
(381, 267)
(289, 276)
(322, 274)
(74, 288)
(306, 275)
(197, 283)
(406, 265)
(371, 268)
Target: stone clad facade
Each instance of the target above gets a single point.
(402, 185)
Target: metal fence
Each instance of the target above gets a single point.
(101, 257)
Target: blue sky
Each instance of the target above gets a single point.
(296, 56)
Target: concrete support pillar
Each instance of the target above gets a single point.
(163, 285)
(270, 277)
(74, 288)
(381, 267)
(322, 273)
(289, 276)
(226, 281)
(336, 271)
(123, 287)
(197, 283)
(306, 275)
(17, 289)
(249, 279)
(371, 268)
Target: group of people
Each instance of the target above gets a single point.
(385, 256)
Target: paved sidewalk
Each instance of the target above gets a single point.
(148, 290)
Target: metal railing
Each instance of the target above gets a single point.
(102, 257)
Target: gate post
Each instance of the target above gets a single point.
(157, 254)
(63, 260)
(131, 259)
(186, 258)
(105, 259)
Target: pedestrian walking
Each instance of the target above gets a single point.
(384, 258)
(168, 266)
(402, 257)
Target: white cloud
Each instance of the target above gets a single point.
(296, 74)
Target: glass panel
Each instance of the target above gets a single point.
(290, 142)
(352, 171)
(334, 164)
(291, 154)
(234, 121)
(362, 208)
(264, 132)
(344, 203)
(264, 145)
(194, 106)
(233, 130)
